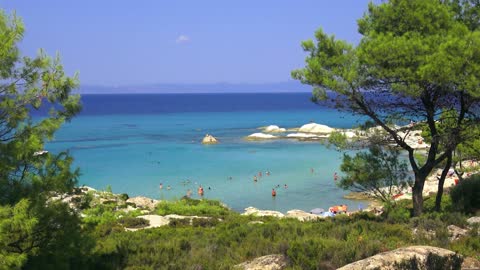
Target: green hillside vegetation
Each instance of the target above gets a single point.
(230, 238)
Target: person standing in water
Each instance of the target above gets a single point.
(335, 176)
(161, 185)
(200, 191)
(255, 178)
(274, 193)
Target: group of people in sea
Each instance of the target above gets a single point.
(256, 177)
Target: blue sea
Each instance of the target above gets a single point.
(134, 142)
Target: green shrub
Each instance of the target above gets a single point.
(191, 207)
(433, 261)
(123, 196)
(131, 222)
(179, 222)
(204, 222)
(397, 214)
(466, 195)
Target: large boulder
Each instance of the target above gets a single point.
(269, 262)
(456, 232)
(260, 136)
(391, 259)
(143, 202)
(315, 128)
(300, 135)
(209, 139)
(473, 220)
(301, 215)
(261, 213)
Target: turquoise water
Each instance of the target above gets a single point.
(134, 153)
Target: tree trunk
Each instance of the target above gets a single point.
(417, 194)
(441, 181)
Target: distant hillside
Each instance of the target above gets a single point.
(281, 87)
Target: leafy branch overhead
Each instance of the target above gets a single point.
(416, 59)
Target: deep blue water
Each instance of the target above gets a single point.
(135, 142)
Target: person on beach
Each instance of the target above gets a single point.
(274, 193)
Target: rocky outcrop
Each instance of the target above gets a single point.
(143, 202)
(315, 128)
(273, 129)
(305, 136)
(456, 232)
(269, 262)
(301, 215)
(473, 220)
(260, 136)
(390, 259)
(209, 139)
(262, 213)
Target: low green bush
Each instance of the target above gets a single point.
(204, 222)
(124, 196)
(179, 222)
(132, 222)
(191, 207)
(466, 195)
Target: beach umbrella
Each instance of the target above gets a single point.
(317, 211)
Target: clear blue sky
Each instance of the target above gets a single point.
(113, 42)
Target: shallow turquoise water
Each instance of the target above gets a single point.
(135, 153)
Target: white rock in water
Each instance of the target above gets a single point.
(209, 139)
(304, 135)
(256, 136)
(273, 128)
(315, 128)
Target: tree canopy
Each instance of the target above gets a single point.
(415, 60)
(32, 228)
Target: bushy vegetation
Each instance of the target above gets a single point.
(466, 195)
(191, 207)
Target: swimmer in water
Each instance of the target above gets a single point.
(274, 193)
(169, 187)
(285, 186)
(161, 186)
(255, 178)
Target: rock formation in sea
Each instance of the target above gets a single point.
(315, 128)
(260, 136)
(274, 129)
(209, 139)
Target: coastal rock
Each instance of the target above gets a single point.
(349, 134)
(143, 202)
(273, 129)
(209, 139)
(315, 128)
(301, 215)
(470, 263)
(305, 136)
(387, 260)
(456, 232)
(473, 220)
(269, 262)
(261, 213)
(260, 136)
